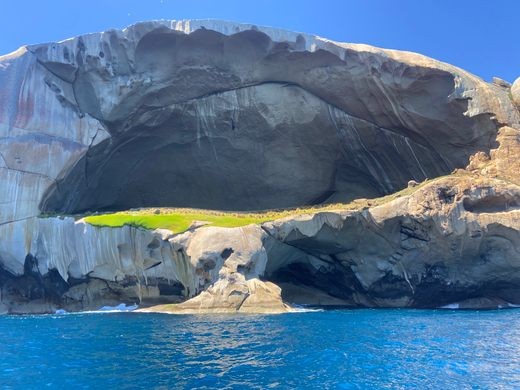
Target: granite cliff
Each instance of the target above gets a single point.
(219, 115)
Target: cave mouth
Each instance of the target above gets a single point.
(238, 151)
(333, 285)
(302, 284)
(242, 122)
(207, 173)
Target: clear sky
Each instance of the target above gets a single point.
(482, 36)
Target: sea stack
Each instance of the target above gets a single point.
(215, 115)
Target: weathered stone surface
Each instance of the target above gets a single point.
(127, 118)
(502, 162)
(515, 92)
(454, 239)
(104, 266)
(230, 116)
(501, 83)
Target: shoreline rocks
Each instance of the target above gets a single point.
(453, 239)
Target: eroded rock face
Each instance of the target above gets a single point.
(515, 92)
(454, 240)
(263, 118)
(228, 116)
(77, 266)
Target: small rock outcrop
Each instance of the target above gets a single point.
(220, 115)
(515, 92)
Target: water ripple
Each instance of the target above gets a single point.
(333, 349)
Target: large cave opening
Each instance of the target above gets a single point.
(263, 147)
(331, 285)
(328, 281)
(361, 263)
(241, 122)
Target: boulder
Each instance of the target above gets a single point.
(515, 92)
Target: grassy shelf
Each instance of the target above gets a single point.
(176, 220)
(179, 220)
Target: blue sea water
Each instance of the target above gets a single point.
(342, 349)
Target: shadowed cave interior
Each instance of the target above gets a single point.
(257, 127)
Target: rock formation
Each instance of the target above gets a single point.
(515, 92)
(230, 116)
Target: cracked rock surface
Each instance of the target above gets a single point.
(221, 115)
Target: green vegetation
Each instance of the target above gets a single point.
(179, 220)
(176, 220)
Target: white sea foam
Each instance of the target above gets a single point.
(455, 306)
(105, 309)
(120, 307)
(451, 306)
(303, 309)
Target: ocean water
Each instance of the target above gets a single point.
(342, 349)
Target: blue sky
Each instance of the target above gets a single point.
(482, 36)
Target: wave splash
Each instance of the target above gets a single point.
(122, 307)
